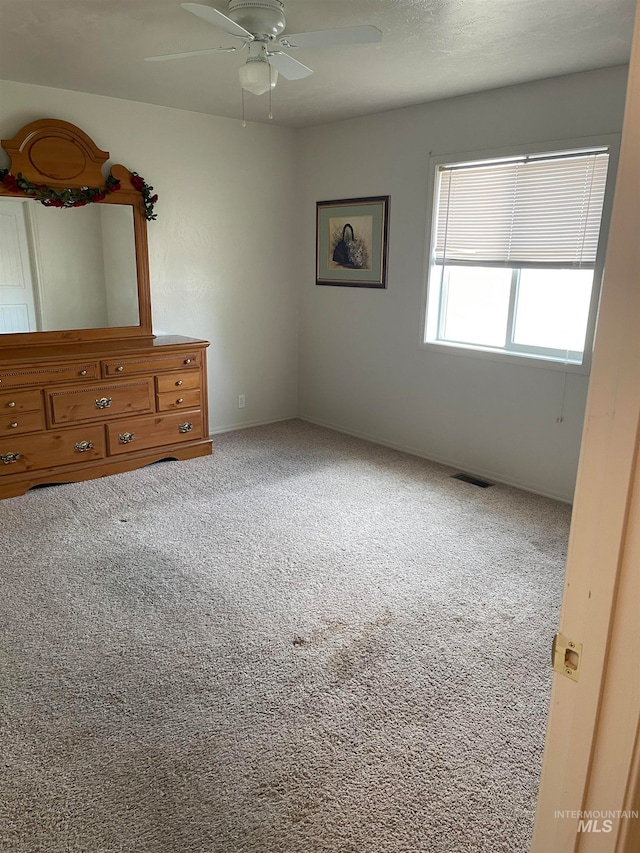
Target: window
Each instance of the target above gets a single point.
(514, 254)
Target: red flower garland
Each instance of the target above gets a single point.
(78, 197)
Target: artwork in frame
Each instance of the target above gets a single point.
(351, 241)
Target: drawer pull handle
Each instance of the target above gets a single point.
(187, 361)
(14, 425)
(11, 405)
(179, 382)
(126, 437)
(180, 400)
(186, 427)
(8, 458)
(83, 373)
(103, 403)
(120, 369)
(81, 446)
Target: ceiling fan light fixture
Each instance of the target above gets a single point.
(257, 76)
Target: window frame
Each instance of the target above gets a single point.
(431, 322)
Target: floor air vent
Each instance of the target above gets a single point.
(474, 481)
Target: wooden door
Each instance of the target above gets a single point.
(591, 765)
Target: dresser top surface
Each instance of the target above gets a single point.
(97, 349)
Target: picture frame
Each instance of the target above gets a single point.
(352, 242)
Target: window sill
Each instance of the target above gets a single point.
(522, 359)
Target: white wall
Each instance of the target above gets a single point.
(219, 265)
(119, 256)
(361, 367)
(69, 267)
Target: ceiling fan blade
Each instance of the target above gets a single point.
(212, 16)
(328, 38)
(189, 53)
(288, 66)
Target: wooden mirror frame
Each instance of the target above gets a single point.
(59, 155)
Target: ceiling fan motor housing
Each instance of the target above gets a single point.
(259, 17)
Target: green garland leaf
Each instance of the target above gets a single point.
(78, 196)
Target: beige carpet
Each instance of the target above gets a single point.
(303, 644)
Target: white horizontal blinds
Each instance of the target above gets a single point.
(535, 211)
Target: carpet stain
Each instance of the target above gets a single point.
(349, 651)
(298, 792)
(362, 653)
(320, 633)
(336, 628)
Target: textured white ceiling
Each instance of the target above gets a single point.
(431, 49)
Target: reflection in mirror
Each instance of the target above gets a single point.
(66, 269)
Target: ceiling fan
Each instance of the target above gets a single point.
(259, 25)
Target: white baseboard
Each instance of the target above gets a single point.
(450, 463)
(236, 427)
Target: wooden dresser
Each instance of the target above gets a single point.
(100, 409)
(100, 395)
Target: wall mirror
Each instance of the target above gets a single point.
(71, 269)
(78, 273)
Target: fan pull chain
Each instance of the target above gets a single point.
(244, 123)
(270, 90)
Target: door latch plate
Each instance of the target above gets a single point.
(566, 656)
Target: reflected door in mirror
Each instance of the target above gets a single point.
(17, 306)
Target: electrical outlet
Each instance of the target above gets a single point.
(241, 401)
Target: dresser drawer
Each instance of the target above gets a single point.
(69, 405)
(16, 424)
(50, 449)
(155, 431)
(19, 377)
(186, 381)
(20, 401)
(181, 400)
(152, 364)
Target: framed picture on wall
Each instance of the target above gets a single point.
(351, 241)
